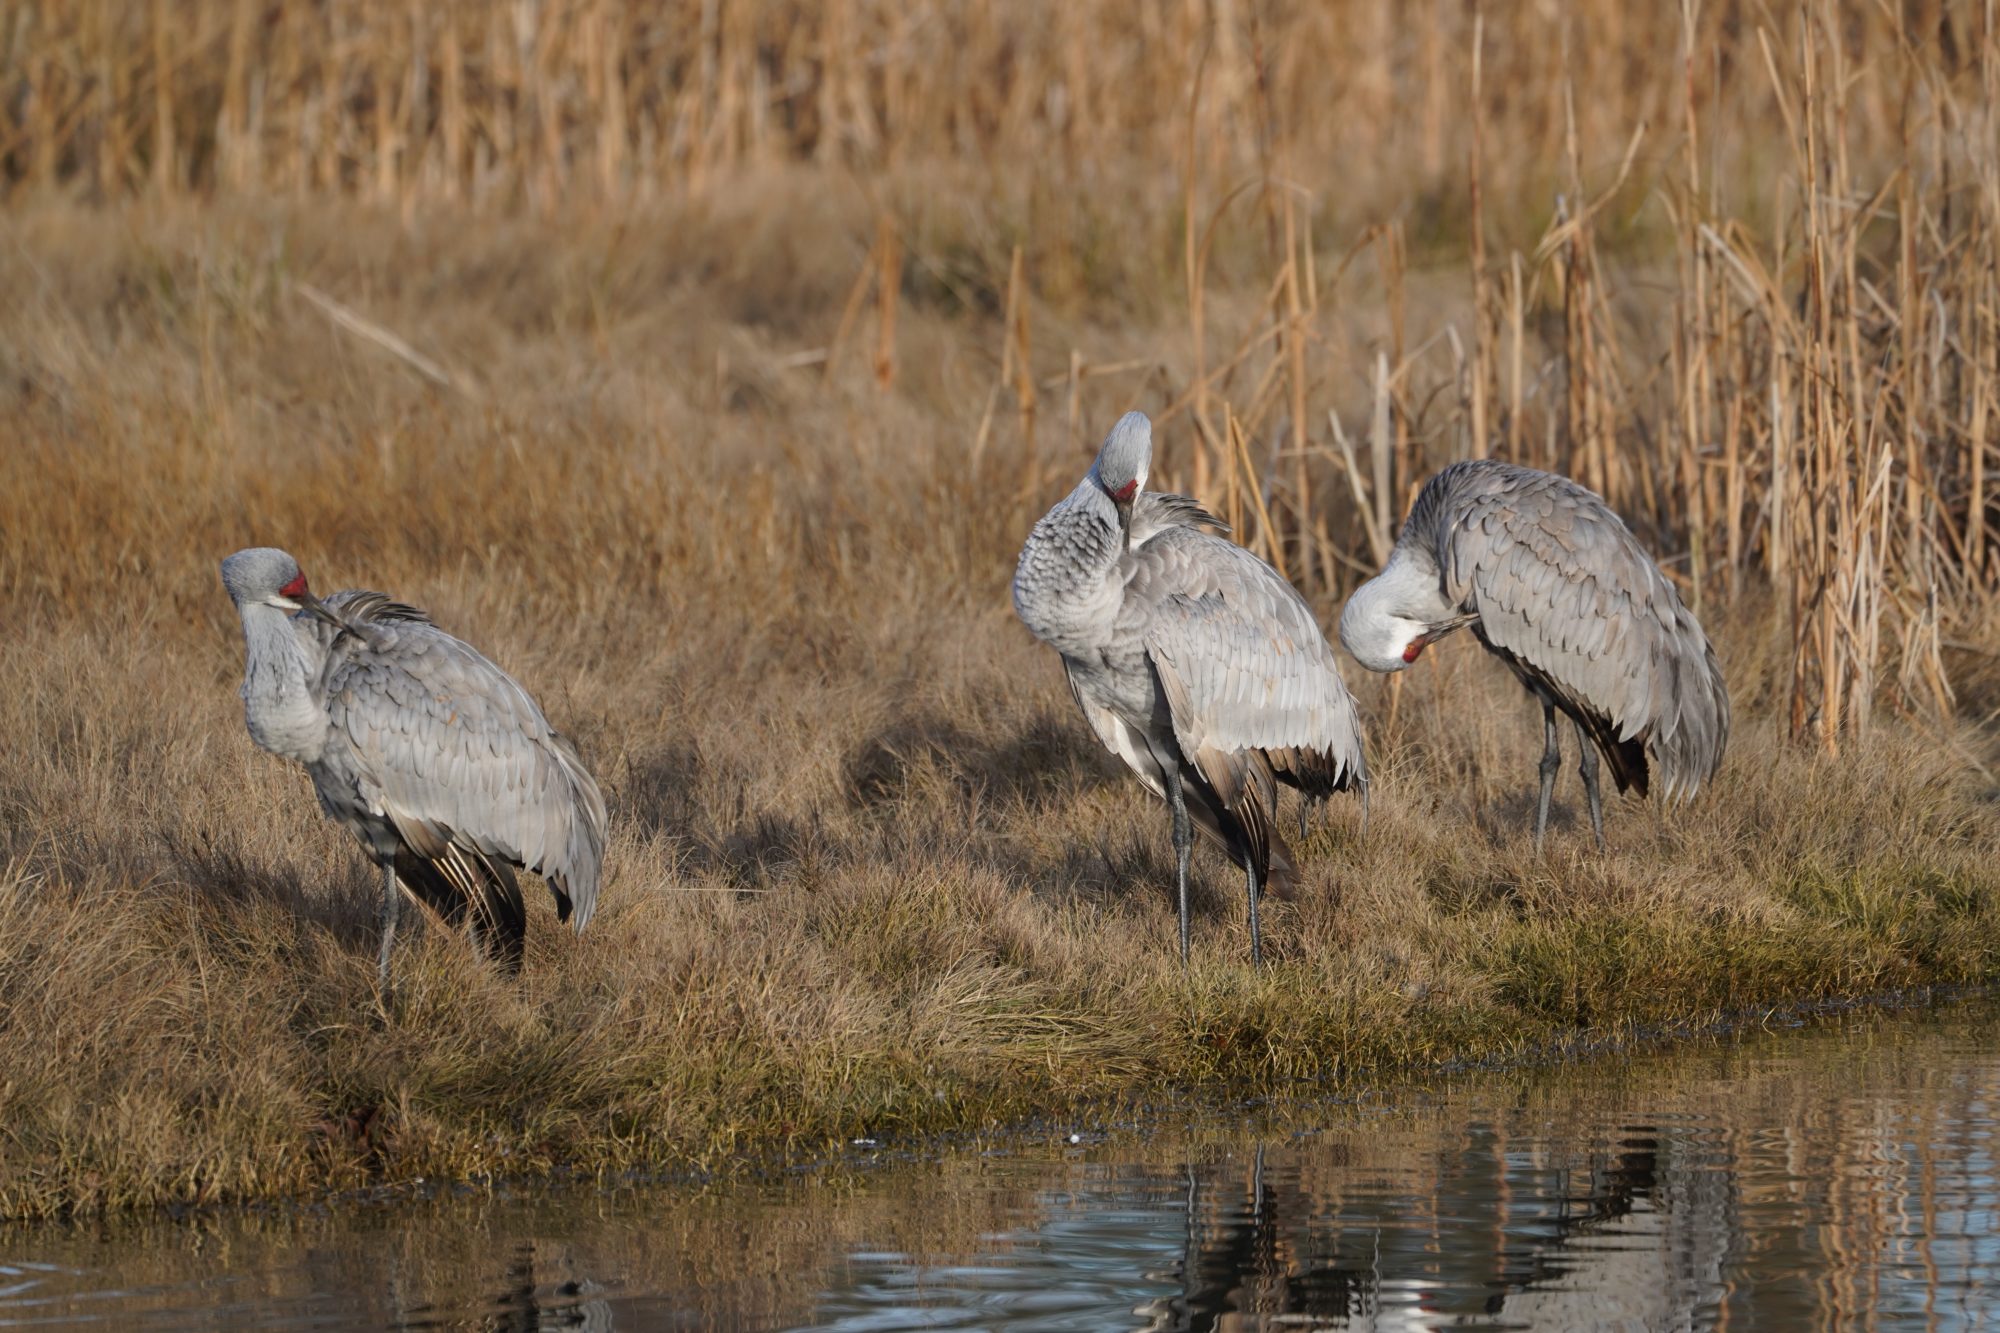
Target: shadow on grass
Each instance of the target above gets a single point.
(1040, 767)
(225, 878)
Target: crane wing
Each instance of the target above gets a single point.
(1156, 511)
(1246, 671)
(1560, 583)
(457, 755)
(1116, 735)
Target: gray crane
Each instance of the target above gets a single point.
(428, 753)
(1553, 583)
(1192, 660)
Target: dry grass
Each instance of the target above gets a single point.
(725, 445)
(869, 872)
(1786, 370)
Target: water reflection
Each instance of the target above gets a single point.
(1841, 1177)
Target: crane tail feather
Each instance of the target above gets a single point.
(458, 884)
(1244, 788)
(1280, 877)
(1626, 757)
(1317, 773)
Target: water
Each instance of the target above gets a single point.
(1836, 1176)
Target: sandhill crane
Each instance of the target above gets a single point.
(1193, 661)
(432, 756)
(1555, 586)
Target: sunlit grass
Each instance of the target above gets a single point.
(720, 427)
(869, 873)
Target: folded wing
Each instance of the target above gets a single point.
(461, 761)
(1561, 586)
(1247, 674)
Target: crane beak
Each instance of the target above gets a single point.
(316, 608)
(1433, 632)
(1122, 500)
(1438, 629)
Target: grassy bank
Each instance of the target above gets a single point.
(869, 873)
(709, 376)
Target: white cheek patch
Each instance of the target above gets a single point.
(1396, 644)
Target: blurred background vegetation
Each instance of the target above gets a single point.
(1732, 264)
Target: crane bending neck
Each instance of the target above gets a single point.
(1066, 588)
(282, 668)
(1390, 618)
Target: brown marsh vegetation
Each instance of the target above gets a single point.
(708, 375)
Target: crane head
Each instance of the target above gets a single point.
(1380, 640)
(1392, 618)
(1123, 462)
(266, 576)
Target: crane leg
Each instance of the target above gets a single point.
(1588, 766)
(1551, 761)
(1256, 936)
(1183, 849)
(391, 896)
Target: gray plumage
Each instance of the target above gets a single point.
(433, 757)
(1555, 585)
(1193, 661)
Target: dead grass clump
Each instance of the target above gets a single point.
(734, 482)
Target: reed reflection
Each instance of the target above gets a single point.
(1824, 1179)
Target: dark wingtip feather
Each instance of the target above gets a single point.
(1626, 758)
(1317, 773)
(1280, 878)
(459, 883)
(1629, 766)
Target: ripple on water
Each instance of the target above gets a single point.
(1842, 1173)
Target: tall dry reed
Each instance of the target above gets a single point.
(708, 369)
(1733, 266)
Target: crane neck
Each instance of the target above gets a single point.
(1068, 586)
(1390, 618)
(284, 666)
